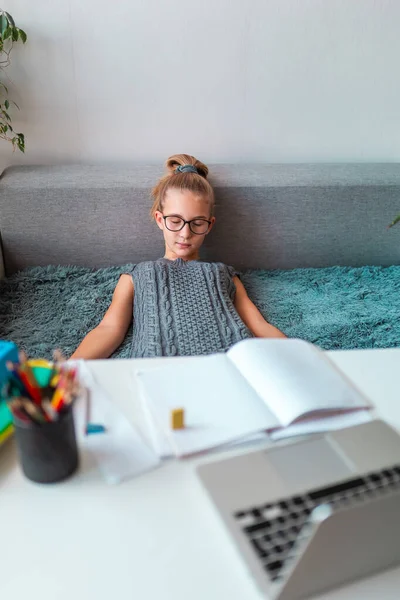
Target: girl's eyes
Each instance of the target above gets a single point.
(198, 223)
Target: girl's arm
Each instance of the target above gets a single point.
(251, 316)
(104, 339)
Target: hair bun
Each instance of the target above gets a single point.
(182, 160)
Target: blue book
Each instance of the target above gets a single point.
(8, 351)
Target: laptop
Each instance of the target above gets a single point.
(313, 513)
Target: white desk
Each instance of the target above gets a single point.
(155, 537)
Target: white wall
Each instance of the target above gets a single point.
(227, 80)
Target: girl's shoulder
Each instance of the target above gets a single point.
(225, 267)
(145, 264)
(136, 268)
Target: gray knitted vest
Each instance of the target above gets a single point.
(184, 308)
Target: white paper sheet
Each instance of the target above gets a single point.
(162, 445)
(219, 405)
(158, 439)
(294, 378)
(120, 452)
(324, 424)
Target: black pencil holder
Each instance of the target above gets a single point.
(48, 452)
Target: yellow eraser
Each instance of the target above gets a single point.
(177, 418)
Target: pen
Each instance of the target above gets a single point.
(49, 410)
(29, 387)
(39, 396)
(30, 383)
(57, 398)
(33, 411)
(16, 409)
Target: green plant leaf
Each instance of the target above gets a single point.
(396, 220)
(21, 141)
(22, 35)
(3, 23)
(7, 33)
(9, 17)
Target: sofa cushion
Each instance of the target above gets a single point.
(269, 216)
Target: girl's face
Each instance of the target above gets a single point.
(188, 206)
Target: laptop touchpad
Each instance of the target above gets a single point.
(309, 463)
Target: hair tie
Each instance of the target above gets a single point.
(186, 169)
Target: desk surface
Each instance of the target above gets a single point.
(157, 536)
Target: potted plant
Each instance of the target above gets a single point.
(9, 35)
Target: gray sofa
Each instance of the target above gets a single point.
(269, 216)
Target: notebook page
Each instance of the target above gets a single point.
(324, 424)
(219, 405)
(294, 378)
(161, 443)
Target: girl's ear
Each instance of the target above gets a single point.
(159, 219)
(212, 225)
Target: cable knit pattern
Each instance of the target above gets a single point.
(184, 308)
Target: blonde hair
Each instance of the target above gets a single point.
(193, 182)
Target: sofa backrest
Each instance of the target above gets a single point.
(271, 216)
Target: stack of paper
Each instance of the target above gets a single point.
(120, 452)
(282, 387)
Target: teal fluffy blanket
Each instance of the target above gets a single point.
(43, 308)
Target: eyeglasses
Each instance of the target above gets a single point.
(197, 226)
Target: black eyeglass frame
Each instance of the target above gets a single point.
(165, 217)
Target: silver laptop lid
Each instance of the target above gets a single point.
(268, 489)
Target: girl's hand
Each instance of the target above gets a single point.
(104, 339)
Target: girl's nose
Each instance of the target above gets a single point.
(185, 231)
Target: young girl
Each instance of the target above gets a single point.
(179, 304)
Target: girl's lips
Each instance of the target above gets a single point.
(183, 245)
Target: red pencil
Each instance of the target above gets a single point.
(33, 391)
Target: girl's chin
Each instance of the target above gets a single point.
(187, 248)
(186, 251)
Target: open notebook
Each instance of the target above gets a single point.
(281, 386)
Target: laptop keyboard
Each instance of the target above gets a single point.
(272, 529)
